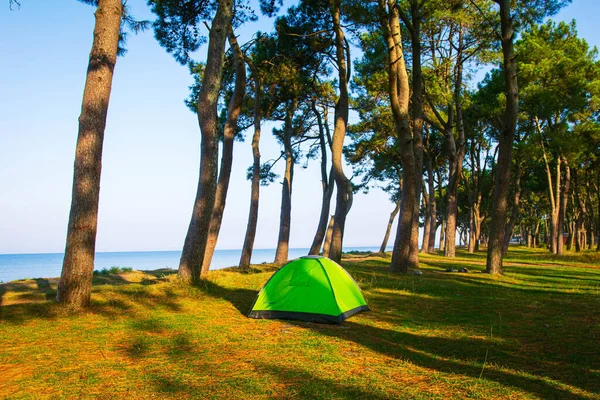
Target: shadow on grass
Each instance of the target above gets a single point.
(28, 290)
(23, 301)
(521, 254)
(551, 368)
(464, 356)
(306, 385)
(241, 299)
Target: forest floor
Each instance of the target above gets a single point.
(532, 333)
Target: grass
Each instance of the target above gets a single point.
(532, 333)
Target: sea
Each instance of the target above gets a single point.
(48, 265)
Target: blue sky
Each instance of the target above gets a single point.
(151, 151)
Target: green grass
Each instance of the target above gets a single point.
(532, 333)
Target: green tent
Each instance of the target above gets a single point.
(311, 288)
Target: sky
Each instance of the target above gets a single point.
(152, 142)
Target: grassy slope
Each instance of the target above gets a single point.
(534, 333)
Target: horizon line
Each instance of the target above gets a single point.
(162, 251)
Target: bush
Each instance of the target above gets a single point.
(113, 270)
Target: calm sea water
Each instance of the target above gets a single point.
(23, 266)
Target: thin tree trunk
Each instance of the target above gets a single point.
(75, 285)
(547, 232)
(591, 217)
(471, 248)
(315, 248)
(389, 226)
(597, 188)
(328, 185)
(505, 146)
(248, 247)
(570, 235)
(478, 221)
(510, 227)
(442, 225)
(458, 152)
(443, 235)
(452, 188)
(234, 109)
(427, 222)
(581, 213)
(281, 254)
(563, 209)
(575, 238)
(554, 197)
(433, 205)
(478, 195)
(339, 133)
(327, 241)
(194, 248)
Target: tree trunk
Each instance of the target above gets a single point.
(443, 235)
(233, 112)
(75, 285)
(547, 232)
(427, 222)
(327, 241)
(563, 209)
(194, 248)
(580, 214)
(591, 216)
(315, 248)
(281, 254)
(572, 234)
(510, 227)
(442, 225)
(597, 187)
(575, 238)
(451, 190)
(553, 197)
(328, 185)
(478, 221)
(399, 98)
(417, 123)
(389, 226)
(471, 248)
(591, 230)
(246, 256)
(505, 145)
(457, 152)
(339, 133)
(433, 205)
